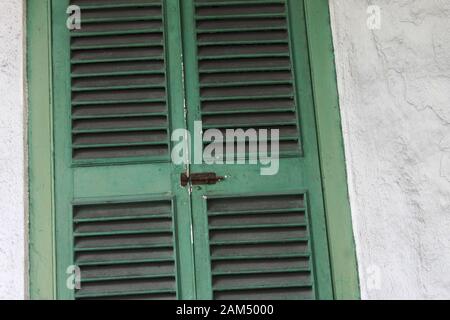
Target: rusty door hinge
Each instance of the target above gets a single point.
(200, 178)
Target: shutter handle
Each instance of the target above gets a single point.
(200, 178)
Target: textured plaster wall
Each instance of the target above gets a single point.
(12, 195)
(394, 86)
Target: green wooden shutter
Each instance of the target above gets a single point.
(121, 214)
(257, 237)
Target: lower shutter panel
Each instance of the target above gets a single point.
(260, 247)
(125, 250)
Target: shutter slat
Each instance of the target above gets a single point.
(240, 70)
(119, 295)
(113, 130)
(272, 241)
(120, 19)
(117, 32)
(117, 73)
(132, 4)
(123, 262)
(156, 216)
(156, 58)
(241, 56)
(118, 115)
(115, 233)
(116, 101)
(115, 46)
(306, 284)
(246, 83)
(225, 273)
(258, 212)
(258, 226)
(248, 28)
(260, 257)
(240, 16)
(208, 3)
(94, 146)
(123, 247)
(88, 90)
(155, 276)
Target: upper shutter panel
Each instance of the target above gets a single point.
(245, 68)
(119, 98)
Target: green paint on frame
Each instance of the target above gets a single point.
(40, 141)
(331, 149)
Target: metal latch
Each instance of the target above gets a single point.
(200, 178)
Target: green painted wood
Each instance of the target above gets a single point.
(76, 183)
(62, 146)
(331, 147)
(40, 140)
(92, 182)
(297, 173)
(185, 254)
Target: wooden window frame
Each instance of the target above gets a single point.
(42, 259)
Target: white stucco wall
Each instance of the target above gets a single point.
(394, 86)
(12, 159)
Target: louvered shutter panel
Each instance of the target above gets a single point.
(245, 68)
(125, 250)
(260, 247)
(119, 99)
